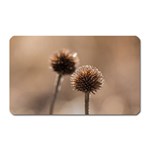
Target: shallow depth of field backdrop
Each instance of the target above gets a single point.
(32, 82)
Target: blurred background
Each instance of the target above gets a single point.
(32, 82)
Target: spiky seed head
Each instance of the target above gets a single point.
(87, 79)
(64, 62)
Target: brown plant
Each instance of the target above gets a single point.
(63, 63)
(87, 79)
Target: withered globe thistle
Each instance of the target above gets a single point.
(87, 79)
(64, 62)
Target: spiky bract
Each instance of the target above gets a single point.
(64, 62)
(87, 79)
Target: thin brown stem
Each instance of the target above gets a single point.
(55, 94)
(86, 103)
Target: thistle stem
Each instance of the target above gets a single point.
(55, 94)
(86, 103)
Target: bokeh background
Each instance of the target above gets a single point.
(32, 82)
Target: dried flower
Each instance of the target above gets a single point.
(64, 62)
(87, 79)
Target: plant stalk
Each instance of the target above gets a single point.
(87, 103)
(55, 94)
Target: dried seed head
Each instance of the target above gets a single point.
(87, 79)
(64, 62)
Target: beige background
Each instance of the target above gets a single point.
(32, 82)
